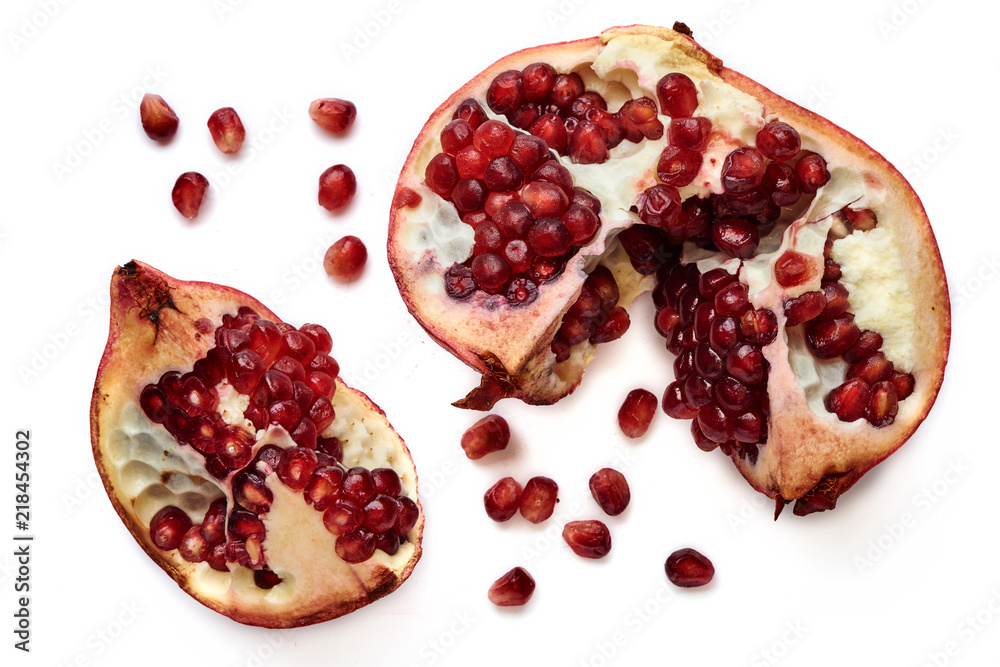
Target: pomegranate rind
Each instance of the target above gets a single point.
(152, 331)
(809, 455)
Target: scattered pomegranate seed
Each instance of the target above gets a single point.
(227, 130)
(610, 490)
(512, 589)
(588, 539)
(332, 114)
(538, 499)
(688, 568)
(346, 258)
(503, 499)
(337, 186)
(489, 434)
(159, 121)
(636, 412)
(188, 193)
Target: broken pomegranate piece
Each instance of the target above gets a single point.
(565, 180)
(239, 460)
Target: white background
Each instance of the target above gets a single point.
(903, 572)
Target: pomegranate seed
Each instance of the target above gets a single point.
(610, 490)
(227, 130)
(380, 514)
(469, 195)
(386, 482)
(783, 184)
(736, 237)
(356, 547)
(566, 88)
(849, 401)
(698, 391)
(732, 300)
(267, 459)
(743, 170)
(521, 291)
(636, 412)
(490, 271)
(324, 487)
(646, 248)
(488, 238)
(343, 517)
(537, 80)
(688, 568)
(778, 141)
(575, 329)
(512, 589)
(746, 363)
(614, 326)
(168, 527)
(159, 121)
(707, 362)
(358, 486)
(690, 133)
(804, 308)
(793, 268)
(732, 395)
(293, 368)
(455, 136)
(188, 193)
(251, 492)
(333, 114)
(812, 173)
(677, 95)
(760, 325)
(505, 93)
(236, 447)
(458, 281)
(213, 526)
(470, 111)
(588, 539)
(296, 467)
(549, 237)
(388, 542)
(193, 548)
(861, 219)
(503, 175)
(407, 517)
(836, 300)
(678, 166)
(903, 382)
(493, 138)
(502, 499)
(828, 339)
(545, 199)
(330, 447)
(586, 144)
(675, 402)
(714, 423)
(243, 524)
(883, 405)
(660, 206)
(489, 434)
(538, 499)
(582, 224)
(337, 186)
(320, 336)
(550, 129)
(528, 151)
(724, 333)
(868, 343)
(154, 404)
(442, 173)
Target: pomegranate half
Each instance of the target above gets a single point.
(264, 486)
(794, 271)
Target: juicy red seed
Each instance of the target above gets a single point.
(646, 248)
(602, 282)
(707, 362)
(860, 219)
(566, 88)
(778, 141)
(490, 271)
(690, 133)
(267, 459)
(732, 395)
(321, 338)
(518, 255)
(296, 467)
(545, 199)
(677, 95)
(285, 414)
(528, 151)
(442, 174)
(549, 237)
(828, 339)
(804, 308)
(614, 326)
(458, 281)
(697, 391)
(610, 489)
(575, 329)
(323, 487)
(236, 447)
(904, 383)
(343, 517)
(346, 258)
(538, 499)
(159, 121)
(278, 386)
(388, 542)
(488, 238)
(506, 92)
(550, 129)
(783, 183)
(293, 368)
(489, 434)
(469, 163)
(168, 527)
(836, 300)
(470, 111)
(732, 300)
(760, 325)
(537, 80)
(868, 343)
(493, 138)
(521, 291)
(586, 144)
(356, 547)
(872, 369)
(407, 517)
(380, 513)
(514, 219)
(251, 492)
(512, 589)
(703, 443)
(747, 427)
(587, 305)
(588, 539)
(193, 548)
(358, 485)
(582, 224)
(386, 482)
(675, 402)
(743, 170)
(154, 404)
(736, 237)
(713, 280)
(746, 363)
(660, 206)
(333, 114)
(267, 341)
(188, 193)
(678, 166)
(588, 100)
(812, 172)
(849, 400)
(227, 130)
(636, 412)
(793, 268)
(469, 195)
(714, 423)
(524, 116)
(723, 334)
(502, 499)
(330, 447)
(688, 568)
(243, 524)
(337, 186)
(210, 368)
(213, 526)
(503, 175)
(883, 405)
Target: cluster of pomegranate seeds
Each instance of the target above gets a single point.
(290, 379)
(636, 412)
(346, 258)
(688, 568)
(333, 114)
(227, 130)
(595, 316)
(337, 186)
(159, 121)
(489, 434)
(571, 120)
(513, 589)
(188, 193)
(588, 539)
(610, 489)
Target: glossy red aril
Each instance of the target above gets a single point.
(346, 258)
(513, 589)
(333, 114)
(538, 499)
(778, 141)
(159, 121)
(337, 186)
(503, 499)
(588, 539)
(611, 491)
(489, 434)
(227, 130)
(636, 412)
(688, 568)
(188, 193)
(677, 95)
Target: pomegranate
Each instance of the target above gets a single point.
(776, 246)
(241, 463)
